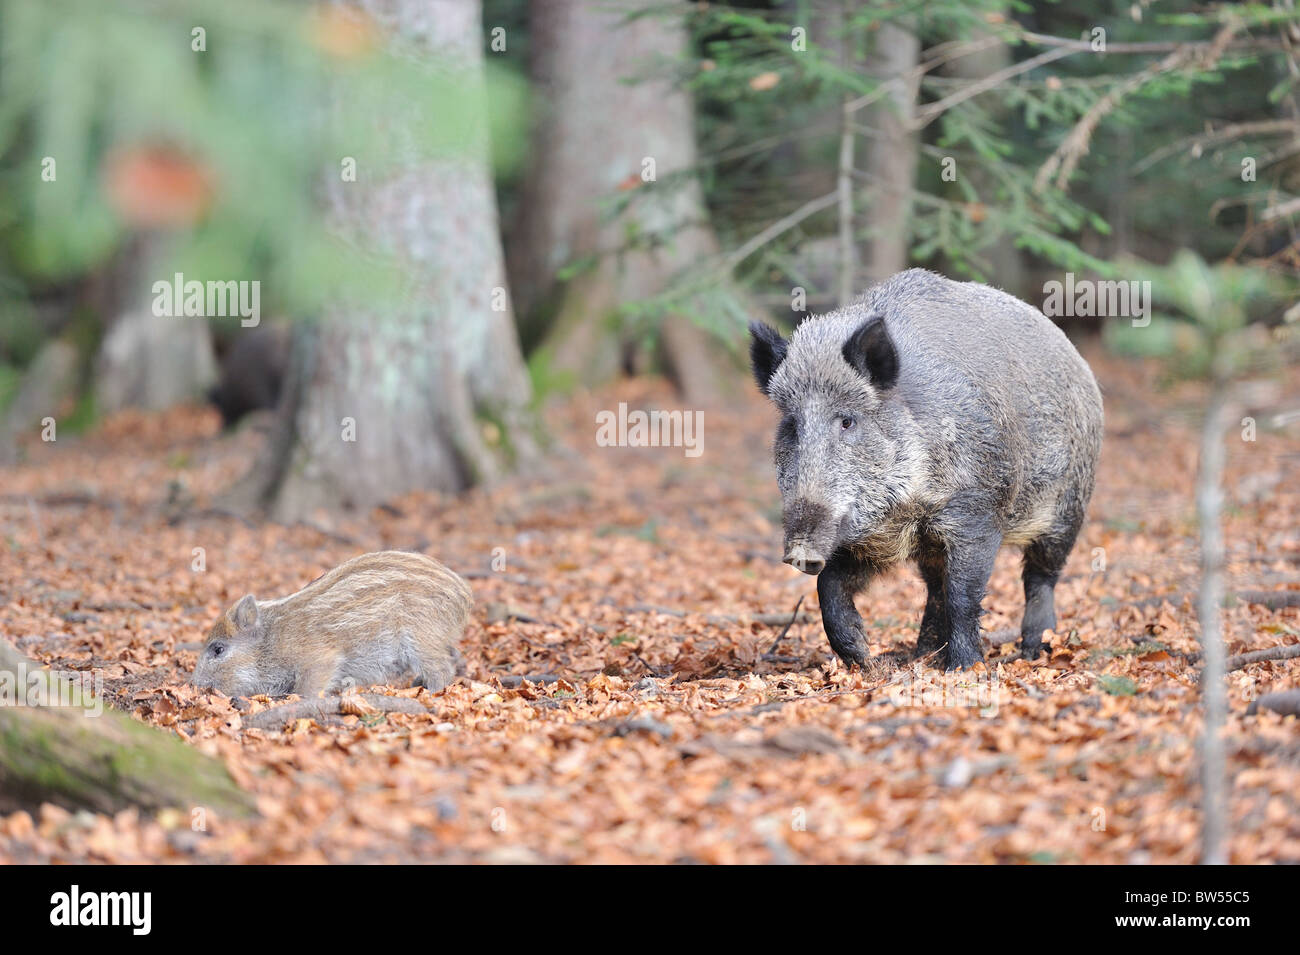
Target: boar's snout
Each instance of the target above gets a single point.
(809, 535)
(802, 557)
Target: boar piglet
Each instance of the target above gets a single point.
(378, 618)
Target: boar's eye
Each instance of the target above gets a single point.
(216, 649)
(847, 422)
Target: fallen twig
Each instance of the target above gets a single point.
(781, 636)
(1286, 702)
(333, 535)
(223, 513)
(494, 575)
(511, 680)
(649, 669)
(764, 619)
(321, 707)
(1258, 656)
(1272, 599)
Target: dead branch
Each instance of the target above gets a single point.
(763, 619)
(513, 680)
(781, 636)
(1168, 46)
(1286, 702)
(780, 226)
(933, 111)
(1259, 656)
(1223, 133)
(321, 707)
(1272, 599)
(1074, 147)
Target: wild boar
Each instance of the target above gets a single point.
(252, 372)
(373, 619)
(932, 421)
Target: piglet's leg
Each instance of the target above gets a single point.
(439, 667)
(317, 675)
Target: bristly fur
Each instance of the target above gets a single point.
(376, 618)
(929, 420)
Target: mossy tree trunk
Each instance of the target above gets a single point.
(69, 749)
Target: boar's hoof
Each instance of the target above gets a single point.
(959, 659)
(1034, 652)
(851, 653)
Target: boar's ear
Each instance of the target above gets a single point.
(766, 352)
(245, 614)
(871, 351)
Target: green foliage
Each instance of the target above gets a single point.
(267, 112)
(1209, 331)
(10, 380)
(544, 377)
(20, 332)
(1117, 685)
(771, 146)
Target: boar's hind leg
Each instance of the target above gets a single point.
(934, 621)
(971, 553)
(1044, 559)
(843, 578)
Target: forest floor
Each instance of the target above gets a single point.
(650, 584)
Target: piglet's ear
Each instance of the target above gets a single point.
(246, 613)
(766, 352)
(871, 352)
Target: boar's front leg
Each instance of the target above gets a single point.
(839, 582)
(933, 636)
(971, 552)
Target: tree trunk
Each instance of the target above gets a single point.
(425, 391)
(608, 107)
(891, 152)
(1006, 266)
(151, 361)
(48, 390)
(82, 755)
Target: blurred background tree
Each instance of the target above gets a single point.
(664, 170)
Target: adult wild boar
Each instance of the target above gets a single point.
(933, 421)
